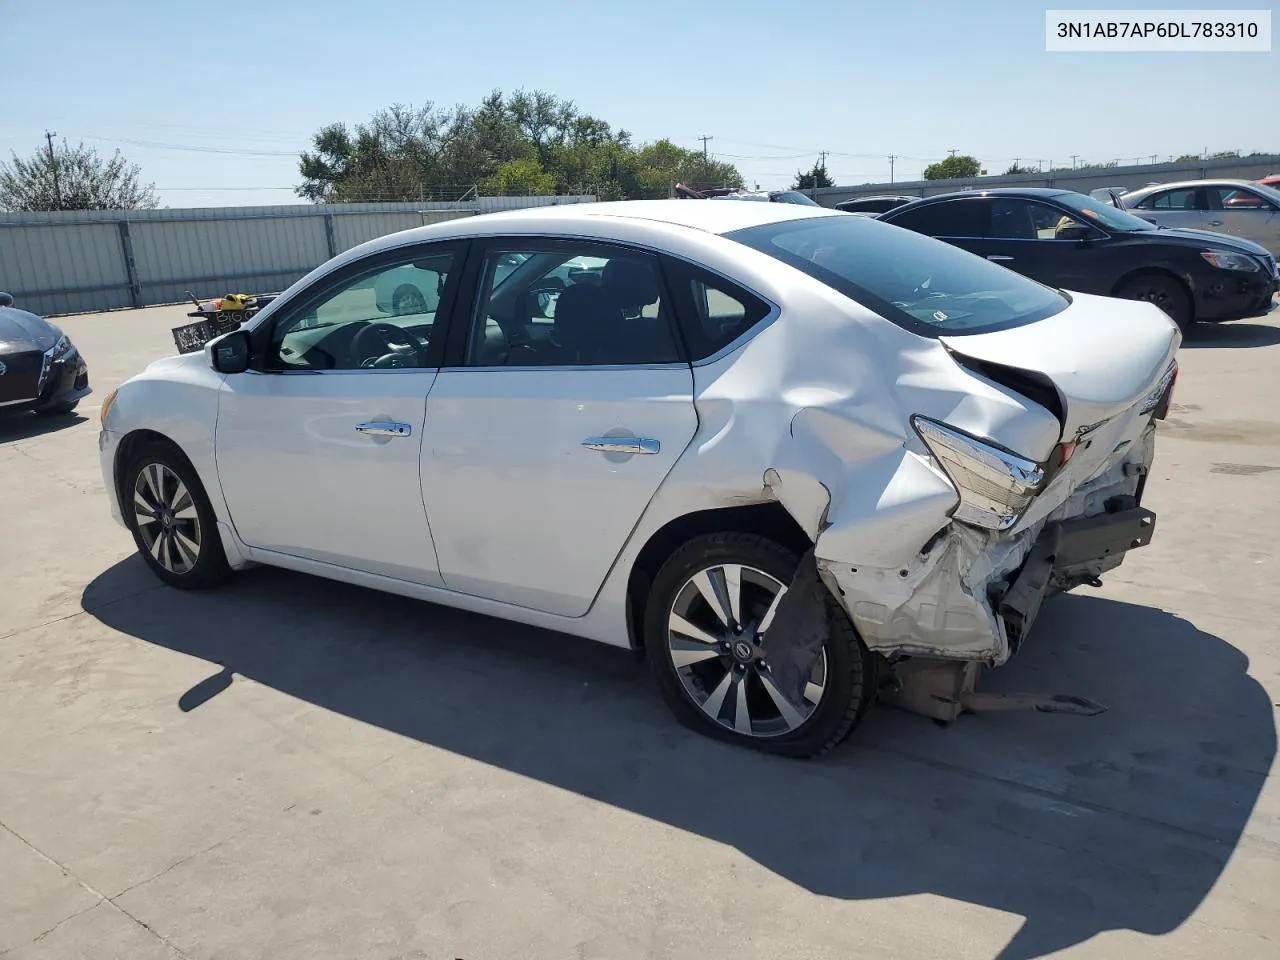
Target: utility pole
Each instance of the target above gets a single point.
(53, 166)
(705, 161)
(892, 157)
(1074, 157)
(1153, 158)
(952, 151)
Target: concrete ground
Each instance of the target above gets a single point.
(289, 768)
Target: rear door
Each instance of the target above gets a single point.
(553, 422)
(961, 222)
(1183, 207)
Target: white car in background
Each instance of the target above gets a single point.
(791, 453)
(1241, 208)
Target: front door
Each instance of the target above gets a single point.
(1045, 243)
(318, 448)
(556, 418)
(1245, 213)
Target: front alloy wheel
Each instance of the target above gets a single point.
(714, 635)
(173, 524)
(166, 518)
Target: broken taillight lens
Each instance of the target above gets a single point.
(995, 485)
(1158, 400)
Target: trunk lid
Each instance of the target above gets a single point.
(1102, 355)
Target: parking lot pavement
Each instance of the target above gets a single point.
(290, 768)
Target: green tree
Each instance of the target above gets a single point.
(519, 143)
(955, 167)
(816, 177)
(519, 178)
(1017, 168)
(63, 177)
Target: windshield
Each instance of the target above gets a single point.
(1103, 214)
(919, 283)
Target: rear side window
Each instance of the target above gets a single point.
(1172, 200)
(950, 218)
(921, 284)
(713, 311)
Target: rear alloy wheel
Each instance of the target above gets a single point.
(708, 612)
(172, 521)
(1165, 292)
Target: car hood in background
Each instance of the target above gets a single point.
(18, 326)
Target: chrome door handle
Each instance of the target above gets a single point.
(998, 257)
(384, 428)
(622, 444)
(1215, 223)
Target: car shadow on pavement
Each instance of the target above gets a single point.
(25, 426)
(1078, 824)
(1238, 334)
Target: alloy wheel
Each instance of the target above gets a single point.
(166, 517)
(715, 630)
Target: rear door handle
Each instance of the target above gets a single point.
(384, 428)
(998, 257)
(622, 444)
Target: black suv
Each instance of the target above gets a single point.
(1073, 242)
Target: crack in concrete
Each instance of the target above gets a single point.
(101, 897)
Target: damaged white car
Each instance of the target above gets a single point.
(800, 458)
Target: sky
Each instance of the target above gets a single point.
(215, 101)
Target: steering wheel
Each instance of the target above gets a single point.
(384, 345)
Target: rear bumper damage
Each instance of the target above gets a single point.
(973, 595)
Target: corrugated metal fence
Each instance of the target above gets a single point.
(1082, 181)
(79, 261)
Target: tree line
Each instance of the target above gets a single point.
(519, 143)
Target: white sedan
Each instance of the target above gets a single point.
(792, 454)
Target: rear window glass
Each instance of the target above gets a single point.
(922, 284)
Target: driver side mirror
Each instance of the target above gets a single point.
(230, 353)
(1076, 232)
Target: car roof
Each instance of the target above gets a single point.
(1184, 184)
(715, 218)
(998, 192)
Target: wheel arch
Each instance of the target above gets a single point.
(1159, 270)
(769, 519)
(131, 443)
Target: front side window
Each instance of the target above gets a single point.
(1018, 219)
(948, 218)
(377, 319)
(569, 304)
(921, 284)
(1236, 198)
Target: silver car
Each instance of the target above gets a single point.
(1242, 208)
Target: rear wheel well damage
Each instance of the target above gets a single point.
(769, 519)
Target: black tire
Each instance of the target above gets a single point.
(1165, 292)
(210, 566)
(850, 680)
(59, 409)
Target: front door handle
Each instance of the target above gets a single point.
(998, 257)
(384, 428)
(622, 444)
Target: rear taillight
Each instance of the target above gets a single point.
(995, 486)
